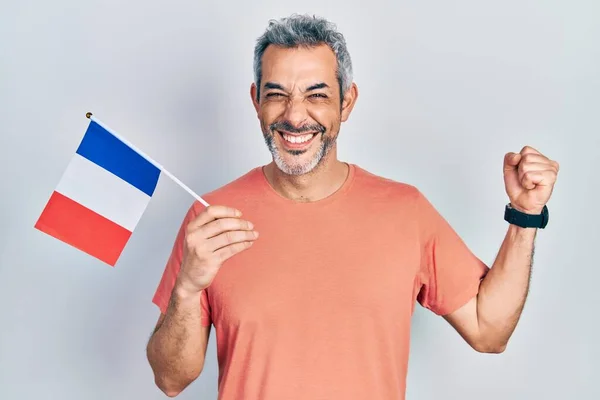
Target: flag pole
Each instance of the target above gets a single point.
(91, 117)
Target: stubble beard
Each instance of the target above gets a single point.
(298, 167)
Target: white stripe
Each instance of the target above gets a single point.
(101, 191)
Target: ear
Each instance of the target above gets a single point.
(349, 101)
(253, 93)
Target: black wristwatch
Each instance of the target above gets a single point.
(515, 217)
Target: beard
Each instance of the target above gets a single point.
(297, 166)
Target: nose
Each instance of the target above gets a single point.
(296, 112)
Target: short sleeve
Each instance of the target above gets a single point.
(162, 295)
(450, 272)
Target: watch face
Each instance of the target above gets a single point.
(545, 216)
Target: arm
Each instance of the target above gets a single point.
(177, 348)
(488, 320)
(176, 351)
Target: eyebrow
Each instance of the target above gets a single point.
(316, 86)
(273, 85)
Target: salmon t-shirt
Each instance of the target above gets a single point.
(320, 306)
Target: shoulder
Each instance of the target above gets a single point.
(233, 193)
(385, 188)
(240, 186)
(400, 199)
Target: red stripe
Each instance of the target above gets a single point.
(83, 228)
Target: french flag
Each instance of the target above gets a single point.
(101, 196)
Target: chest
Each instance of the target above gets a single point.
(326, 268)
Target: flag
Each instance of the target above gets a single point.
(101, 195)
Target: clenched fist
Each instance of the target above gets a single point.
(529, 177)
(215, 235)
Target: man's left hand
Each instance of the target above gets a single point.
(529, 178)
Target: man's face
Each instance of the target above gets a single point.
(299, 106)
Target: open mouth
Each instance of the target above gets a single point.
(297, 140)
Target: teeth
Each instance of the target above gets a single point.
(298, 139)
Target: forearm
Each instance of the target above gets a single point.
(176, 349)
(504, 289)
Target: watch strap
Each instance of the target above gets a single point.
(524, 220)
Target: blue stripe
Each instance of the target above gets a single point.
(104, 149)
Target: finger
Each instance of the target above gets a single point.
(212, 213)
(231, 250)
(511, 160)
(221, 225)
(532, 179)
(228, 238)
(535, 166)
(531, 158)
(528, 150)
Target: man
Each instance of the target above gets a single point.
(311, 290)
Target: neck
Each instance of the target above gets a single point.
(321, 182)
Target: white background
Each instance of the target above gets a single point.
(446, 88)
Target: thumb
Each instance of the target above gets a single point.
(511, 161)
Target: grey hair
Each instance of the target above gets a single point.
(304, 30)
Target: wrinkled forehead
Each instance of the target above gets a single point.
(299, 68)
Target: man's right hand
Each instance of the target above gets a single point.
(215, 235)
